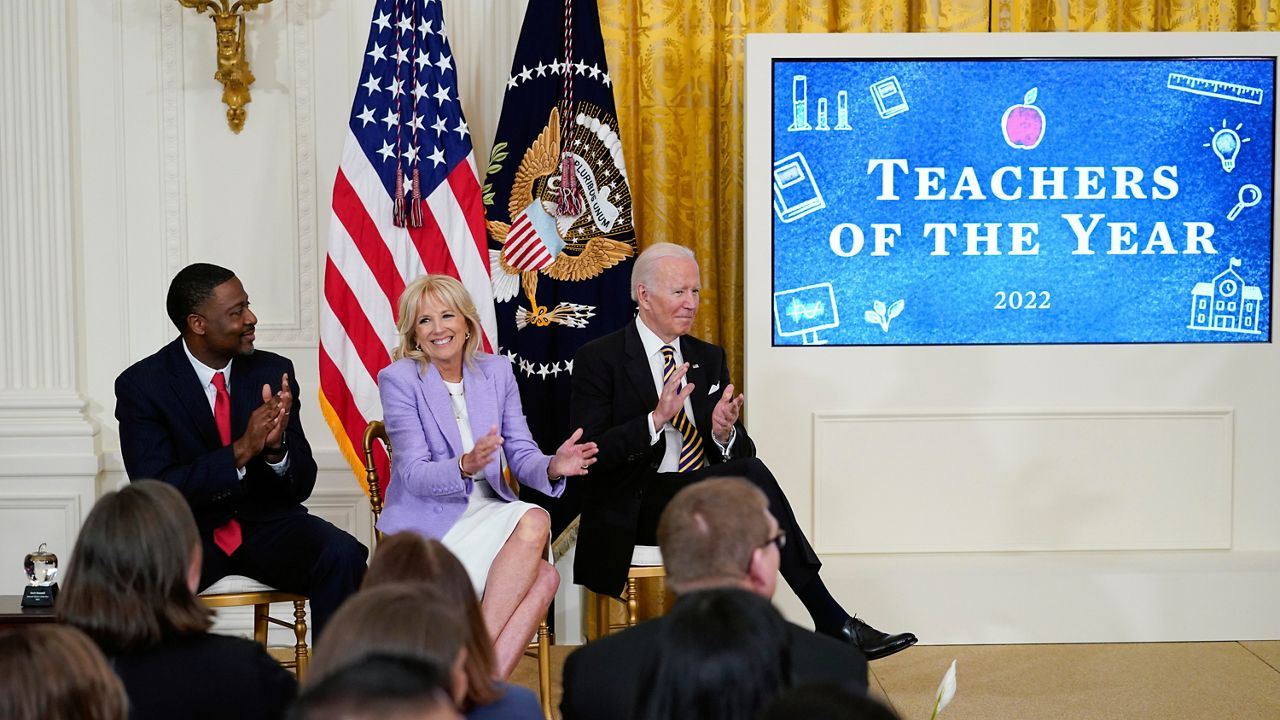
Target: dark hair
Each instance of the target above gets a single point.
(377, 687)
(709, 530)
(824, 701)
(55, 672)
(721, 654)
(126, 582)
(409, 619)
(409, 557)
(191, 288)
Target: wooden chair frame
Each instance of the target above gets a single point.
(261, 602)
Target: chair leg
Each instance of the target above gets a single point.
(633, 604)
(602, 615)
(300, 655)
(544, 668)
(260, 611)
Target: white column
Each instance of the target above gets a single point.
(47, 459)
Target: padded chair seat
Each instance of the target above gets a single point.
(236, 584)
(647, 556)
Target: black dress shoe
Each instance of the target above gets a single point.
(873, 643)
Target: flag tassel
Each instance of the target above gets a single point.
(397, 205)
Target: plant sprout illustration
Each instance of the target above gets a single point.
(881, 315)
(1226, 144)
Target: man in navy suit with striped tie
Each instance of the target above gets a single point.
(660, 405)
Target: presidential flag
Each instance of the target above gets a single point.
(559, 212)
(406, 202)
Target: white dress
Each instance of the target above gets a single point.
(489, 519)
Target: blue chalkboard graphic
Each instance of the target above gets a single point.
(1215, 88)
(804, 311)
(795, 191)
(1226, 304)
(1026, 200)
(888, 96)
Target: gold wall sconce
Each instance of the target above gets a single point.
(233, 67)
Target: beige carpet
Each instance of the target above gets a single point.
(1169, 681)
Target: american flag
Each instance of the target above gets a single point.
(406, 202)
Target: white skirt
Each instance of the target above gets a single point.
(482, 531)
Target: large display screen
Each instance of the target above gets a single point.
(1023, 200)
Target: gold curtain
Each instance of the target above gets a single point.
(677, 70)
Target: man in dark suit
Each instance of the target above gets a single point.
(714, 534)
(219, 421)
(659, 404)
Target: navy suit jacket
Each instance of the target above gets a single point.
(602, 678)
(613, 394)
(167, 433)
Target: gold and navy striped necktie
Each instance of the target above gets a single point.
(691, 455)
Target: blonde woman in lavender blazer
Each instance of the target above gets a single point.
(454, 417)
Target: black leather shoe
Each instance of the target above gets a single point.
(873, 643)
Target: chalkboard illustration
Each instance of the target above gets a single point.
(799, 104)
(1215, 88)
(804, 311)
(795, 191)
(1249, 196)
(881, 315)
(1226, 144)
(888, 96)
(1023, 125)
(1226, 303)
(842, 111)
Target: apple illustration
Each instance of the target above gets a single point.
(1023, 125)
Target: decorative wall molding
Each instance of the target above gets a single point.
(172, 136)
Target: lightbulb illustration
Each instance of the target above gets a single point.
(1226, 144)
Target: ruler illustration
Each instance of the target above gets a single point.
(1215, 88)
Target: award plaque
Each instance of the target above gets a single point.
(42, 571)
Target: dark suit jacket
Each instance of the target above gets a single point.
(613, 394)
(167, 432)
(206, 676)
(602, 678)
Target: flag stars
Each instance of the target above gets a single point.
(405, 24)
(411, 156)
(396, 88)
(402, 55)
(379, 52)
(419, 91)
(580, 68)
(445, 63)
(441, 95)
(594, 71)
(371, 84)
(390, 120)
(437, 157)
(511, 84)
(526, 74)
(556, 66)
(439, 126)
(422, 61)
(604, 78)
(416, 122)
(382, 21)
(462, 129)
(424, 29)
(541, 69)
(387, 152)
(366, 117)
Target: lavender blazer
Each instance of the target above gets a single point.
(427, 493)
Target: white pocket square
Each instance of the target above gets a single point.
(714, 388)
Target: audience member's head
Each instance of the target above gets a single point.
(379, 687)
(824, 702)
(54, 672)
(134, 569)
(718, 533)
(721, 653)
(409, 557)
(409, 619)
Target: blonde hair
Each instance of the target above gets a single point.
(447, 290)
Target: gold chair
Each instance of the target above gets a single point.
(238, 591)
(540, 648)
(646, 562)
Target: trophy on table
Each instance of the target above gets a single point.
(42, 571)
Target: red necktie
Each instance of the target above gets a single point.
(226, 537)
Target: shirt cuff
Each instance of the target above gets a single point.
(728, 446)
(653, 434)
(279, 468)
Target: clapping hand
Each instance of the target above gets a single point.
(572, 458)
(671, 401)
(482, 453)
(274, 442)
(725, 414)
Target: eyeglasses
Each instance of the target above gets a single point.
(780, 540)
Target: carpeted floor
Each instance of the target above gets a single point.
(1169, 681)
